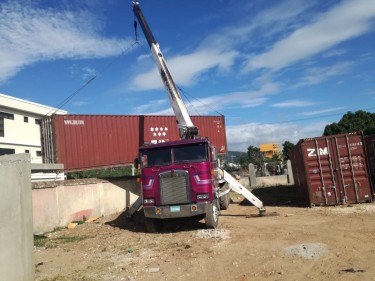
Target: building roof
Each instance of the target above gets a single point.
(27, 106)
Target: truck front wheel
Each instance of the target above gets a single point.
(212, 215)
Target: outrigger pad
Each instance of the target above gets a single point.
(263, 214)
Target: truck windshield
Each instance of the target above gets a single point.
(156, 157)
(181, 154)
(190, 153)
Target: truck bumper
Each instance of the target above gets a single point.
(165, 212)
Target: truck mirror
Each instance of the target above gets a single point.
(136, 163)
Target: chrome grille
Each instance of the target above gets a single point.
(174, 187)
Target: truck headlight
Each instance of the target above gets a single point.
(148, 201)
(202, 196)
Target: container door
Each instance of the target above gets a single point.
(320, 170)
(370, 149)
(351, 168)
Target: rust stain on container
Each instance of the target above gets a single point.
(83, 142)
(332, 170)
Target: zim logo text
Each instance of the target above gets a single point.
(311, 152)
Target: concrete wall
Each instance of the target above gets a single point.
(272, 181)
(254, 181)
(56, 204)
(16, 225)
(265, 181)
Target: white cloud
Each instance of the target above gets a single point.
(29, 35)
(344, 21)
(80, 103)
(317, 75)
(334, 53)
(185, 69)
(209, 105)
(268, 22)
(293, 103)
(88, 73)
(215, 103)
(151, 107)
(240, 137)
(327, 110)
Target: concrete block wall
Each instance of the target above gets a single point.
(56, 204)
(16, 221)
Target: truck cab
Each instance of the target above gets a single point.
(179, 180)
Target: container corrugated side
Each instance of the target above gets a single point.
(84, 142)
(164, 128)
(94, 141)
(213, 127)
(332, 170)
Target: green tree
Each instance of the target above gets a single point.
(353, 122)
(243, 160)
(287, 148)
(255, 155)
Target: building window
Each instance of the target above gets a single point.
(38, 121)
(26, 119)
(6, 115)
(39, 153)
(4, 151)
(27, 151)
(1, 126)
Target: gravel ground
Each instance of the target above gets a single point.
(299, 243)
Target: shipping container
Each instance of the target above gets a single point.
(370, 149)
(332, 170)
(164, 128)
(83, 142)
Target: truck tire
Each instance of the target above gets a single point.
(212, 216)
(152, 225)
(225, 199)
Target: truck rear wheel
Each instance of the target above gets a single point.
(225, 199)
(212, 216)
(153, 225)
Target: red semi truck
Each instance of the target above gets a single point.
(182, 178)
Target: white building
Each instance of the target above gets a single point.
(19, 126)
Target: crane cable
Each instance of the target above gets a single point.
(135, 30)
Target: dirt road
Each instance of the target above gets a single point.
(298, 243)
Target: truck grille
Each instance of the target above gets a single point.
(174, 187)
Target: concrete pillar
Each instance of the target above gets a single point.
(252, 177)
(16, 220)
(290, 172)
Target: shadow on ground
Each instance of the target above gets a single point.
(283, 195)
(270, 196)
(136, 223)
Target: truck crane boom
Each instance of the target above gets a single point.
(186, 128)
(182, 178)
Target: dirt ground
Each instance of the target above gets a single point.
(293, 243)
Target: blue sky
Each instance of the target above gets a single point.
(277, 70)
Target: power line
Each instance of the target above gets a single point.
(92, 78)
